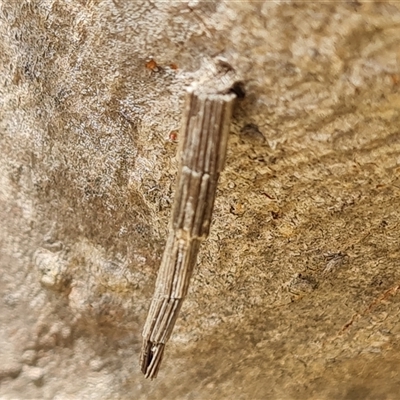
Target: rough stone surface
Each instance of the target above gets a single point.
(296, 294)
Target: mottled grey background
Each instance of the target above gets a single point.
(296, 294)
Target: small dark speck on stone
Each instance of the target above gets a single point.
(251, 133)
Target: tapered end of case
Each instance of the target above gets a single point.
(150, 358)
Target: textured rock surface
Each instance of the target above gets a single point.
(296, 292)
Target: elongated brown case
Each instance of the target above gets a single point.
(203, 146)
